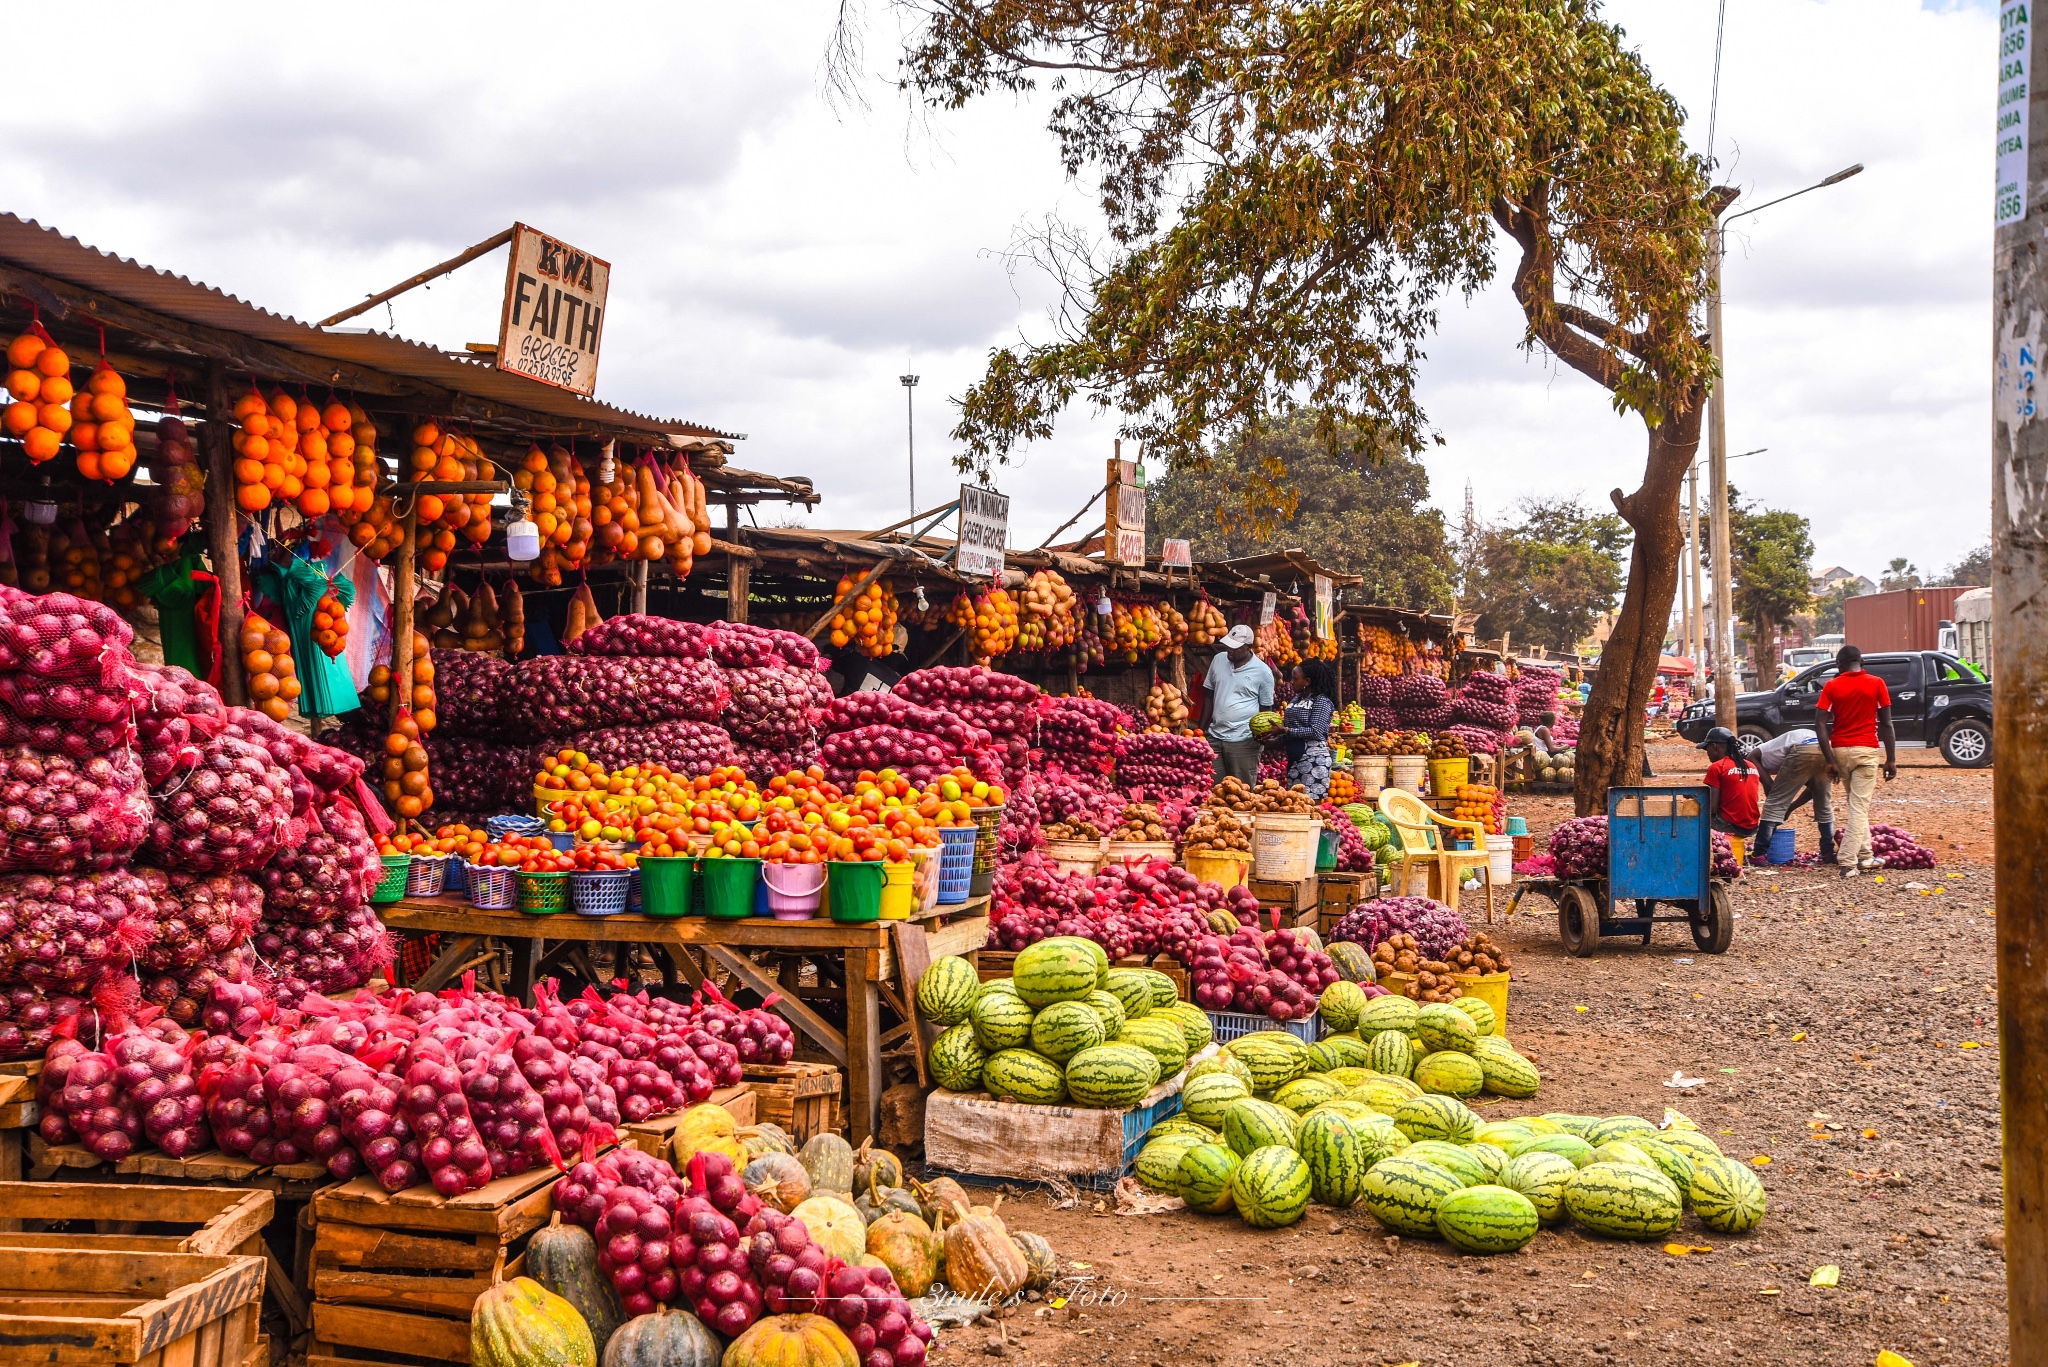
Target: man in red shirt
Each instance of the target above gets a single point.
(1736, 801)
(1855, 708)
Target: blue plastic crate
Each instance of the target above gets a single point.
(1230, 1025)
(1137, 1124)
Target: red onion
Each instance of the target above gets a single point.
(688, 747)
(469, 696)
(775, 705)
(635, 634)
(61, 933)
(228, 815)
(557, 694)
(60, 636)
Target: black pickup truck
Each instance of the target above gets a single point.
(1937, 700)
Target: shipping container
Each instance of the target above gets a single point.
(1904, 619)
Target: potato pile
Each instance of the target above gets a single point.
(1447, 746)
(1432, 977)
(1217, 831)
(1073, 828)
(1232, 794)
(1379, 743)
(1478, 954)
(1141, 821)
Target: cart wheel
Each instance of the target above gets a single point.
(1578, 922)
(1713, 925)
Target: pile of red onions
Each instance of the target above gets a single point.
(1080, 732)
(688, 747)
(227, 815)
(916, 755)
(741, 645)
(1436, 928)
(1478, 741)
(1579, 847)
(1723, 864)
(1002, 704)
(1898, 847)
(765, 762)
(1277, 974)
(554, 695)
(776, 704)
(1165, 765)
(61, 933)
(857, 710)
(637, 634)
(479, 775)
(1482, 713)
(1536, 693)
(58, 636)
(469, 695)
(173, 712)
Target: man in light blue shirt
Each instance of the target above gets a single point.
(1240, 686)
(1797, 769)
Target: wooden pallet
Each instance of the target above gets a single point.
(651, 1136)
(209, 1168)
(803, 1098)
(146, 1309)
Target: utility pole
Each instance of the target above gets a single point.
(910, 432)
(1717, 496)
(2019, 624)
(1693, 637)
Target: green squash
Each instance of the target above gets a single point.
(829, 1161)
(521, 1323)
(563, 1258)
(873, 1167)
(666, 1338)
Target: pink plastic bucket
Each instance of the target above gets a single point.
(794, 890)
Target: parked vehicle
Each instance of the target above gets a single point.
(1937, 699)
(1803, 657)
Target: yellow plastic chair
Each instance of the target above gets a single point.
(1415, 821)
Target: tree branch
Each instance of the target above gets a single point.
(1535, 288)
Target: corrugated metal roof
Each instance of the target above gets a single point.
(34, 247)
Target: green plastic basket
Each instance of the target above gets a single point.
(391, 887)
(543, 894)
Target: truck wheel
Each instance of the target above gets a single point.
(1578, 922)
(1967, 743)
(1752, 734)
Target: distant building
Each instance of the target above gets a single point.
(1835, 576)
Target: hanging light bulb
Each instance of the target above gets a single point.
(522, 538)
(1103, 607)
(922, 606)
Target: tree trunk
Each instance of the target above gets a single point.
(1764, 648)
(1610, 750)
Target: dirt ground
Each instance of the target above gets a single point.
(1846, 1043)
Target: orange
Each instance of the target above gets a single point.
(54, 416)
(426, 434)
(340, 446)
(41, 443)
(313, 445)
(56, 389)
(108, 407)
(248, 471)
(313, 502)
(18, 418)
(116, 434)
(317, 474)
(52, 361)
(88, 464)
(23, 350)
(342, 497)
(116, 464)
(335, 417)
(252, 498)
(106, 380)
(430, 508)
(448, 468)
(273, 475)
(256, 447)
(423, 459)
(250, 405)
(290, 487)
(85, 436)
(257, 425)
(24, 384)
(284, 408)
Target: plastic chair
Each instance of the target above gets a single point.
(1415, 822)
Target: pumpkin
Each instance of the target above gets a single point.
(792, 1341)
(706, 1129)
(766, 1138)
(873, 1167)
(873, 1205)
(829, 1161)
(521, 1323)
(779, 1180)
(563, 1258)
(982, 1262)
(666, 1338)
(908, 1248)
(1039, 1257)
(938, 1200)
(835, 1226)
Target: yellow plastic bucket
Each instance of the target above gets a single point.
(898, 898)
(1491, 988)
(1222, 868)
(1284, 845)
(1446, 776)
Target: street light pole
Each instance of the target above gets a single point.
(910, 434)
(1717, 456)
(1693, 638)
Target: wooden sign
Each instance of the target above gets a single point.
(984, 531)
(553, 319)
(1123, 533)
(1174, 552)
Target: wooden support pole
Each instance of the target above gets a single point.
(638, 596)
(404, 588)
(222, 526)
(870, 577)
(489, 244)
(865, 1082)
(739, 573)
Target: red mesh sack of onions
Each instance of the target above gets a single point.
(182, 993)
(197, 915)
(321, 959)
(1079, 731)
(742, 645)
(766, 762)
(155, 1079)
(1579, 847)
(478, 775)
(70, 717)
(1536, 692)
(914, 754)
(637, 634)
(334, 869)
(1165, 765)
(1382, 719)
(227, 816)
(174, 712)
(1723, 864)
(325, 768)
(1436, 928)
(1002, 704)
(1418, 693)
(857, 710)
(1898, 847)
(469, 694)
(688, 747)
(60, 636)
(63, 815)
(557, 694)
(61, 933)
(29, 1018)
(1376, 690)
(1483, 713)
(775, 704)
(1424, 719)
(1477, 740)
(91, 1107)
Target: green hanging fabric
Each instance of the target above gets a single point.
(176, 595)
(297, 586)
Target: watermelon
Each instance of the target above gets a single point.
(1669, 1161)
(1000, 1021)
(1502, 1134)
(1182, 1125)
(1304, 1094)
(1621, 1151)
(1505, 1073)
(1159, 1036)
(1220, 1063)
(1579, 1125)
(1128, 985)
(1207, 1097)
(1389, 1053)
(1541, 1177)
(1165, 992)
(1204, 1178)
(957, 1059)
(947, 989)
(1385, 1094)
(1441, 1027)
(1486, 1219)
(1455, 1159)
(1008, 985)
(1097, 953)
(1021, 1075)
(1417, 1051)
(1271, 1187)
(1158, 1166)
(1436, 1117)
(1617, 1127)
(1109, 1009)
(1340, 1004)
(1350, 1048)
(1726, 1196)
(1064, 1029)
(1194, 1025)
(1404, 1193)
(1331, 1147)
(1451, 1073)
(1272, 1065)
(1569, 1147)
(1493, 1160)
(1538, 1125)
(1691, 1143)
(1623, 1201)
(1355, 1111)
(1382, 1014)
(1324, 1056)
(1378, 1138)
(1062, 968)
(1347, 1077)
(1115, 1076)
(1253, 1124)
(1352, 963)
(1483, 1018)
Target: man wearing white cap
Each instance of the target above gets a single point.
(1240, 686)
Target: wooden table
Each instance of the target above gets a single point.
(882, 962)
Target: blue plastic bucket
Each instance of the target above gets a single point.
(1784, 845)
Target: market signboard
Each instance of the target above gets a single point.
(1177, 553)
(984, 531)
(553, 319)
(1326, 602)
(1123, 532)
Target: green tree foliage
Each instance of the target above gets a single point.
(1972, 571)
(1361, 511)
(1771, 553)
(1900, 574)
(1829, 616)
(1544, 578)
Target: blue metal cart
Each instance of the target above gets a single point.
(1659, 853)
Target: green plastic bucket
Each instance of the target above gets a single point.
(665, 883)
(391, 886)
(1326, 850)
(729, 887)
(856, 889)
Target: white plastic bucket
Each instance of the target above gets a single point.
(1370, 774)
(1408, 771)
(1284, 846)
(1500, 857)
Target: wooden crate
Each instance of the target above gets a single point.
(210, 1167)
(1285, 898)
(651, 1136)
(1338, 893)
(803, 1098)
(147, 1309)
(162, 1219)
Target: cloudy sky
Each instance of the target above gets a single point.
(778, 261)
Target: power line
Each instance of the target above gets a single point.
(1714, 101)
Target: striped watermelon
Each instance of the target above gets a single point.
(1324, 1056)
(1340, 1004)
(1207, 1097)
(1389, 1053)
(1021, 1075)
(1623, 1201)
(1691, 1143)
(1165, 992)
(1355, 1111)
(1621, 1151)
(1000, 1021)
(1059, 969)
(1579, 1125)
(1538, 1125)
(1441, 1026)
(1304, 1094)
(1159, 1036)
(1220, 1063)
(1269, 1039)
(957, 1059)
(1451, 1073)
(1404, 1193)
(1204, 1178)
(1110, 1009)
(1064, 1029)
(1486, 1219)
(1253, 1124)
(1330, 1145)
(1272, 1065)
(1502, 1134)
(1569, 1147)
(947, 989)
(1187, 1125)
(1618, 1127)
(1194, 1025)
(1350, 1048)
(1097, 953)
(1128, 986)
(1114, 1076)
(1158, 1166)
(1271, 1187)
(1493, 1160)
(1417, 1050)
(1382, 1014)
(1352, 963)
(1670, 1162)
(1384, 1092)
(1727, 1196)
(1508, 1074)
(1348, 1077)
(1378, 1138)
(1437, 1117)
(1541, 1177)
(1454, 1159)
(1483, 1018)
